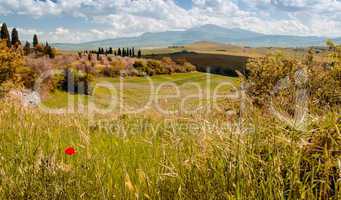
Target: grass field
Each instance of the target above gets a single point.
(133, 93)
(149, 156)
(144, 157)
(224, 58)
(226, 49)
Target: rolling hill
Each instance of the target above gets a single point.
(210, 33)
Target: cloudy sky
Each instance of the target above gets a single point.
(86, 20)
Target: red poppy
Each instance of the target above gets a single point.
(70, 151)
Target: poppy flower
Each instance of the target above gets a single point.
(70, 151)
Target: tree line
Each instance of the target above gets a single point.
(13, 41)
(124, 52)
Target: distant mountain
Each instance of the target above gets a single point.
(211, 33)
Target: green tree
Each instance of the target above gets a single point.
(10, 61)
(5, 34)
(35, 41)
(51, 52)
(27, 48)
(15, 38)
(46, 47)
(89, 56)
(139, 54)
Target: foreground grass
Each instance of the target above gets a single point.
(147, 158)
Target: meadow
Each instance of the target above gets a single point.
(150, 156)
(156, 93)
(241, 151)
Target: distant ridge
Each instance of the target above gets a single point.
(208, 32)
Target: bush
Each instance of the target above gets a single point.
(157, 67)
(111, 71)
(143, 68)
(76, 81)
(27, 77)
(165, 66)
(10, 61)
(116, 67)
(188, 67)
(274, 78)
(169, 64)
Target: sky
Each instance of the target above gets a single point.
(76, 21)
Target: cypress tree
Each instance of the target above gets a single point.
(130, 53)
(46, 47)
(5, 34)
(119, 53)
(15, 38)
(50, 52)
(133, 52)
(27, 48)
(35, 41)
(139, 54)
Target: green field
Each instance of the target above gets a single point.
(205, 154)
(132, 93)
(145, 157)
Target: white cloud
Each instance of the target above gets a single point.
(133, 17)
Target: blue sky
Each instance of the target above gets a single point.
(86, 20)
(186, 4)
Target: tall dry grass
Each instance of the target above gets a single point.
(145, 158)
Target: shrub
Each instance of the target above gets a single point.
(41, 65)
(10, 61)
(266, 73)
(143, 68)
(27, 76)
(39, 48)
(110, 71)
(169, 64)
(51, 52)
(115, 68)
(188, 67)
(76, 81)
(274, 78)
(157, 67)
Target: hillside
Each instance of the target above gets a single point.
(208, 62)
(210, 33)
